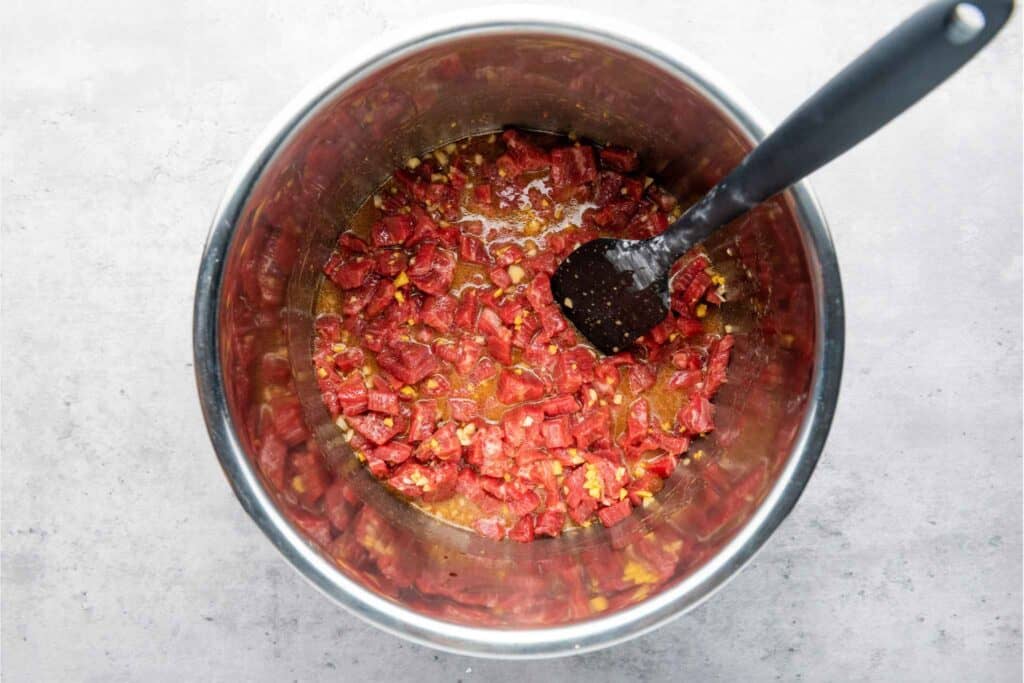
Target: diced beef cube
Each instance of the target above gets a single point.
(463, 409)
(619, 159)
(348, 273)
(516, 387)
(466, 312)
(557, 433)
(391, 262)
(549, 523)
(432, 269)
(439, 312)
(592, 427)
(613, 514)
(572, 166)
(377, 429)
(408, 361)
(393, 453)
(351, 394)
(472, 250)
(443, 444)
(578, 499)
(637, 421)
(641, 377)
(422, 420)
(391, 230)
(663, 466)
(522, 425)
(487, 452)
(697, 416)
(382, 402)
(561, 405)
(523, 530)
(718, 360)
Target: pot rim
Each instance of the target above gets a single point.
(555, 641)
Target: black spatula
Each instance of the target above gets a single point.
(615, 291)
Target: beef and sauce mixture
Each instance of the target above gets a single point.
(454, 376)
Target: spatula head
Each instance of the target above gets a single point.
(605, 288)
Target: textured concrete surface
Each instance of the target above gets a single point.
(125, 556)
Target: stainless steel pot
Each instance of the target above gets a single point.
(410, 574)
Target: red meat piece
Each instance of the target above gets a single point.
(697, 416)
(561, 405)
(572, 166)
(557, 433)
(620, 159)
(375, 428)
(349, 241)
(467, 353)
(408, 361)
(391, 262)
(468, 484)
(422, 420)
(382, 297)
(466, 312)
(435, 386)
(685, 380)
(472, 250)
(718, 360)
(516, 387)
(614, 216)
(641, 377)
(393, 453)
(348, 273)
(487, 452)
(443, 444)
(663, 466)
(613, 514)
(573, 368)
(484, 370)
(638, 421)
(579, 501)
(424, 228)
(391, 230)
(507, 253)
(688, 359)
(549, 523)
(592, 427)
(432, 269)
(523, 530)
(382, 402)
(522, 425)
(439, 312)
(463, 409)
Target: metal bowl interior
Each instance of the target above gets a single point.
(409, 573)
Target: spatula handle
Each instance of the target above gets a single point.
(893, 74)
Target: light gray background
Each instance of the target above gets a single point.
(125, 556)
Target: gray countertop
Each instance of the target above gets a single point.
(125, 555)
